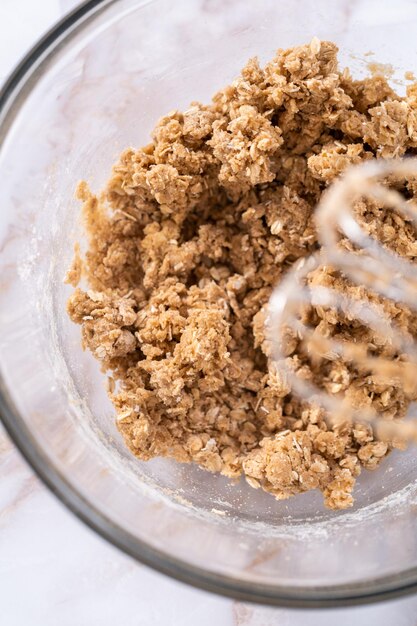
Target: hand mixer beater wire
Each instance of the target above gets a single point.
(365, 262)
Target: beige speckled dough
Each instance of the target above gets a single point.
(185, 245)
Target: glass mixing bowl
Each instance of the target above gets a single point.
(93, 86)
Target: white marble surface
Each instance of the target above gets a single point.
(54, 570)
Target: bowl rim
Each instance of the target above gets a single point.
(12, 96)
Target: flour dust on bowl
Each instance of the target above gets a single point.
(95, 85)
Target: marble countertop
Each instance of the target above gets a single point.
(53, 569)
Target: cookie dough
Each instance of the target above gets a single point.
(186, 243)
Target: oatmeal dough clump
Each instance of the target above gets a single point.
(186, 243)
